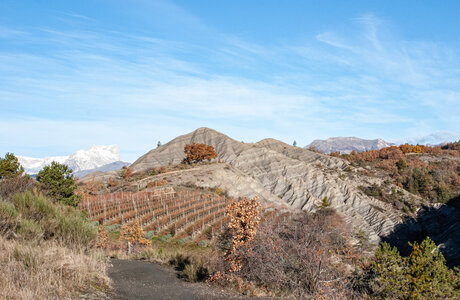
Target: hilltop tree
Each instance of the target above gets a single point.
(294, 143)
(57, 181)
(198, 152)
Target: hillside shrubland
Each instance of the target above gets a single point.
(430, 172)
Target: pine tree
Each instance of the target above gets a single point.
(422, 275)
(57, 181)
(10, 166)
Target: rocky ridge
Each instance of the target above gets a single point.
(348, 144)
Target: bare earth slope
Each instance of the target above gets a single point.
(173, 152)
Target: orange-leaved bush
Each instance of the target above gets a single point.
(198, 152)
(244, 222)
(134, 234)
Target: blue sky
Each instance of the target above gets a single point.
(78, 73)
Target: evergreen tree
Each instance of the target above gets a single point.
(57, 180)
(294, 144)
(10, 166)
(422, 275)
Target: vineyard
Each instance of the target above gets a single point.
(185, 213)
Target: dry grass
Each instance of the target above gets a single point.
(49, 271)
(46, 251)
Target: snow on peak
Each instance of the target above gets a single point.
(94, 157)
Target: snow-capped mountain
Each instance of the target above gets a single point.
(348, 144)
(436, 138)
(94, 157)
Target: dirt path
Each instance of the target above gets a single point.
(142, 280)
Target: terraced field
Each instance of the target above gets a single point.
(163, 211)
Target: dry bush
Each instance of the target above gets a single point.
(127, 173)
(133, 235)
(49, 271)
(162, 170)
(90, 188)
(244, 222)
(102, 238)
(12, 185)
(198, 152)
(112, 182)
(298, 254)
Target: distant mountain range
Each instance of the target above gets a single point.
(436, 138)
(348, 144)
(82, 160)
(105, 168)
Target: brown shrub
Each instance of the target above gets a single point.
(198, 152)
(127, 173)
(162, 170)
(294, 253)
(15, 184)
(112, 182)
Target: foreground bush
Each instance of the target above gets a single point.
(421, 275)
(34, 217)
(46, 251)
(296, 254)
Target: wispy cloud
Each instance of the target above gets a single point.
(94, 85)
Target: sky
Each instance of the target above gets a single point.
(96, 72)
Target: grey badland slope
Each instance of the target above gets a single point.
(348, 144)
(173, 152)
(301, 178)
(233, 181)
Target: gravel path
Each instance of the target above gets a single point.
(134, 279)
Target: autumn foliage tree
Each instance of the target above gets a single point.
(198, 152)
(244, 222)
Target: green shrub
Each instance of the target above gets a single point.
(30, 230)
(165, 238)
(421, 275)
(184, 240)
(113, 227)
(35, 217)
(8, 217)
